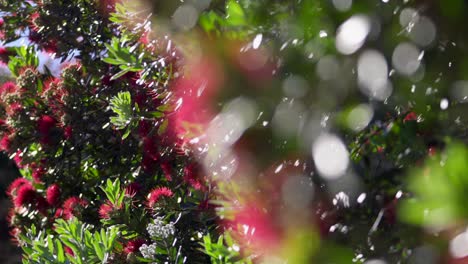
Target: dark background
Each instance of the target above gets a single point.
(9, 253)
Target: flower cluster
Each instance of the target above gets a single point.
(148, 251)
(158, 229)
(60, 130)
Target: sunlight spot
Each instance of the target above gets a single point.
(444, 103)
(405, 58)
(342, 5)
(373, 75)
(257, 41)
(459, 245)
(352, 34)
(360, 117)
(330, 156)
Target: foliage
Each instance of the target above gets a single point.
(235, 131)
(83, 245)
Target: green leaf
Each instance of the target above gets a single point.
(122, 106)
(235, 14)
(119, 74)
(156, 114)
(163, 127)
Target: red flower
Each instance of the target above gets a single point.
(41, 204)
(4, 55)
(8, 88)
(191, 177)
(156, 194)
(132, 189)
(133, 246)
(11, 217)
(5, 143)
(1, 22)
(18, 159)
(45, 124)
(144, 38)
(261, 231)
(53, 194)
(71, 207)
(50, 86)
(150, 148)
(37, 173)
(147, 164)
(411, 116)
(14, 109)
(60, 213)
(14, 233)
(69, 251)
(26, 195)
(106, 210)
(73, 202)
(166, 168)
(144, 127)
(33, 25)
(50, 46)
(67, 132)
(15, 185)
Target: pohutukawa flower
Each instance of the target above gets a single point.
(133, 246)
(19, 159)
(144, 127)
(4, 55)
(8, 88)
(50, 46)
(51, 88)
(411, 116)
(25, 195)
(191, 176)
(11, 217)
(12, 190)
(53, 195)
(73, 202)
(67, 132)
(45, 124)
(37, 173)
(156, 194)
(132, 189)
(166, 168)
(5, 143)
(68, 251)
(60, 213)
(73, 206)
(14, 234)
(106, 209)
(34, 24)
(41, 204)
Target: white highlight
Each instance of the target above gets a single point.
(373, 75)
(360, 117)
(257, 41)
(459, 245)
(330, 156)
(406, 59)
(352, 34)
